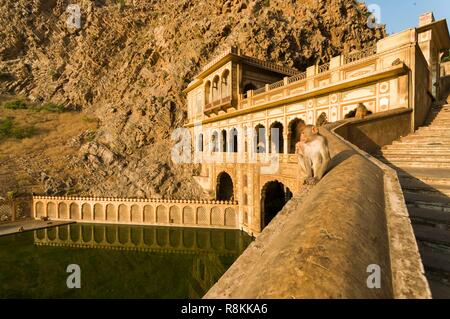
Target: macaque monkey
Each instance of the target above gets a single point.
(313, 154)
(361, 111)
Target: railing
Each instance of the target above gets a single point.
(212, 105)
(355, 56)
(260, 90)
(270, 65)
(323, 68)
(298, 77)
(134, 200)
(276, 85)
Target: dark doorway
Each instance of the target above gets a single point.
(274, 196)
(276, 138)
(260, 138)
(293, 133)
(224, 190)
(234, 140)
(224, 141)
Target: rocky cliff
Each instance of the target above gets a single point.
(130, 60)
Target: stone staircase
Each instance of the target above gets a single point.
(422, 161)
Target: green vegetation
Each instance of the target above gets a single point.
(50, 107)
(121, 4)
(9, 129)
(446, 57)
(20, 104)
(15, 105)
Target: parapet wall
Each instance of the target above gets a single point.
(377, 130)
(323, 242)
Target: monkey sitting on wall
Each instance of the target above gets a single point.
(313, 154)
(360, 112)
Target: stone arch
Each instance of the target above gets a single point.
(174, 215)
(276, 144)
(260, 138)
(136, 215)
(202, 216)
(40, 211)
(75, 211)
(216, 217)
(274, 195)
(124, 233)
(225, 187)
(111, 213)
(75, 231)
(294, 133)
(123, 213)
(51, 232)
(149, 215)
(51, 210)
(188, 215)
(200, 142)
(248, 87)
(223, 141)
(225, 84)
(234, 138)
(215, 90)
(161, 214)
(230, 217)
(86, 213)
(99, 231)
(62, 211)
(98, 212)
(214, 141)
(207, 92)
(86, 232)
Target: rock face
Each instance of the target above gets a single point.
(131, 59)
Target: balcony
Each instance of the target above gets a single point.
(222, 104)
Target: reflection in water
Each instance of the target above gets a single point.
(127, 262)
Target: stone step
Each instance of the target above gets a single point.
(408, 163)
(438, 289)
(432, 133)
(432, 234)
(424, 142)
(439, 115)
(436, 128)
(444, 158)
(419, 187)
(441, 139)
(437, 176)
(422, 147)
(436, 202)
(429, 216)
(433, 122)
(434, 259)
(414, 151)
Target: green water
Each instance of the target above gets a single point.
(117, 261)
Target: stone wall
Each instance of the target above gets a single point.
(377, 130)
(323, 241)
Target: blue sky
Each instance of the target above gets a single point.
(399, 15)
